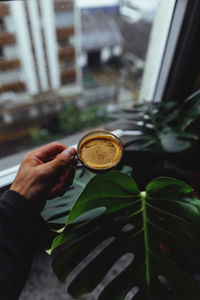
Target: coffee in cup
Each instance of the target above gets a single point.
(100, 150)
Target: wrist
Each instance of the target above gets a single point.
(36, 203)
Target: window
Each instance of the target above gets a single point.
(118, 73)
(66, 64)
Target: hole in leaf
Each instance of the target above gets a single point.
(140, 123)
(131, 294)
(121, 264)
(127, 227)
(88, 259)
(149, 125)
(164, 282)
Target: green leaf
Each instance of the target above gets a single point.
(56, 210)
(165, 184)
(93, 196)
(190, 110)
(158, 229)
(173, 142)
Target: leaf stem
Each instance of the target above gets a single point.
(155, 124)
(146, 241)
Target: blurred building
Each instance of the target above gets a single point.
(39, 72)
(39, 46)
(101, 37)
(106, 9)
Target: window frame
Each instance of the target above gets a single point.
(162, 46)
(185, 63)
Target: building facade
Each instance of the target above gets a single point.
(39, 46)
(101, 37)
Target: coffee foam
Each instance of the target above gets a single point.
(100, 152)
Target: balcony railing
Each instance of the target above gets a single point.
(67, 53)
(14, 87)
(63, 6)
(6, 38)
(64, 33)
(68, 76)
(4, 10)
(9, 64)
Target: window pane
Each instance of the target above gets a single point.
(64, 65)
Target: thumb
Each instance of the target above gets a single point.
(62, 160)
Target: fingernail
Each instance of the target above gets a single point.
(70, 151)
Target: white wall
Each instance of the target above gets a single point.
(49, 26)
(7, 77)
(11, 52)
(38, 42)
(18, 15)
(64, 19)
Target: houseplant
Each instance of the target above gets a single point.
(169, 142)
(158, 228)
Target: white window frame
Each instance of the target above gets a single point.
(163, 41)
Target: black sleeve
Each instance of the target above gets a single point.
(21, 232)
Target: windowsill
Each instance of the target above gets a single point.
(15, 159)
(9, 165)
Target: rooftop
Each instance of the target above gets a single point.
(100, 30)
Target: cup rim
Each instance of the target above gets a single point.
(106, 132)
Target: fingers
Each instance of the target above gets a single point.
(56, 189)
(64, 183)
(48, 152)
(68, 180)
(47, 169)
(61, 161)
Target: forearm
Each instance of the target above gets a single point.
(21, 232)
(44, 173)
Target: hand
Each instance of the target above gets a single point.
(45, 173)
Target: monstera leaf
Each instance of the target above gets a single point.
(137, 119)
(190, 111)
(157, 229)
(163, 127)
(56, 210)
